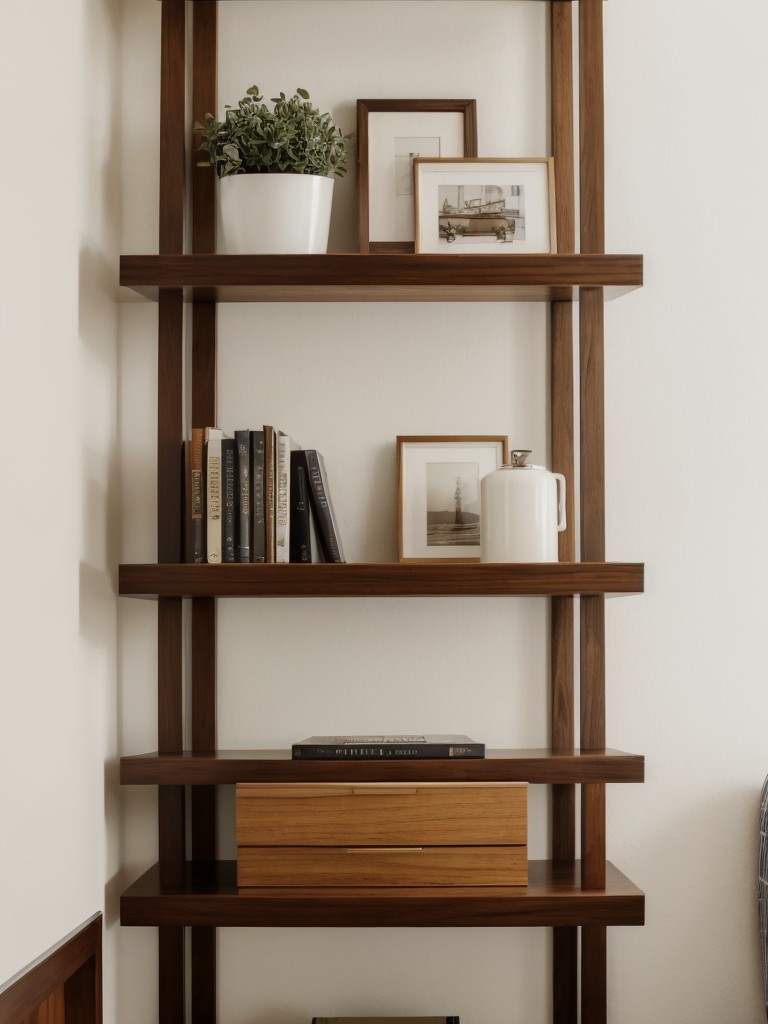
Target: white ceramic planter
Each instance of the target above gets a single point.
(274, 213)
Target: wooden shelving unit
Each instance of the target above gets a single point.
(188, 888)
(554, 896)
(227, 767)
(352, 277)
(441, 579)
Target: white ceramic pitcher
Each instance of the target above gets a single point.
(522, 509)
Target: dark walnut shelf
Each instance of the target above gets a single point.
(553, 897)
(361, 579)
(227, 767)
(352, 277)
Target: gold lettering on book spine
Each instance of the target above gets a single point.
(214, 486)
(197, 474)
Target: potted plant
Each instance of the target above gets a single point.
(276, 169)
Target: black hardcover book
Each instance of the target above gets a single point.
(375, 748)
(270, 491)
(385, 1020)
(243, 443)
(300, 534)
(322, 508)
(258, 508)
(229, 500)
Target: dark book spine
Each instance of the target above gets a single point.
(385, 1020)
(322, 507)
(258, 506)
(270, 491)
(434, 751)
(229, 496)
(196, 504)
(300, 534)
(243, 443)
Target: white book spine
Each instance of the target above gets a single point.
(283, 502)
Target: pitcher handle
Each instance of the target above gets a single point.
(561, 524)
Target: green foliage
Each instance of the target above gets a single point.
(292, 138)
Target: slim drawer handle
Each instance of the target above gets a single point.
(385, 849)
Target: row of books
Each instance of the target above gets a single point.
(257, 497)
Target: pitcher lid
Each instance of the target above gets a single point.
(517, 460)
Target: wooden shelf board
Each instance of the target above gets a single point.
(553, 897)
(359, 579)
(378, 277)
(226, 767)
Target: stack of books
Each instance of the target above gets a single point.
(257, 497)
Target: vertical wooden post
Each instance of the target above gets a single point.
(561, 57)
(203, 414)
(202, 180)
(203, 625)
(562, 418)
(564, 940)
(169, 493)
(172, 154)
(591, 336)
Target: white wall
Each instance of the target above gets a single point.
(58, 517)
(687, 423)
(684, 367)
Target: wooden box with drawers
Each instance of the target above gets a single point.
(380, 834)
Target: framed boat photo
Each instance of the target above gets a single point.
(485, 205)
(439, 494)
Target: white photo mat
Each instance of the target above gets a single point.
(485, 205)
(432, 473)
(390, 209)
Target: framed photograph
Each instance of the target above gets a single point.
(390, 134)
(439, 495)
(485, 205)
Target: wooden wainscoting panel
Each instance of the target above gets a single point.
(63, 986)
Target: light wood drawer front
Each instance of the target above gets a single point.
(370, 814)
(427, 866)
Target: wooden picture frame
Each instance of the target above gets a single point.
(439, 485)
(485, 205)
(384, 194)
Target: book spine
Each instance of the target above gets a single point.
(196, 524)
(270, 491)
(320, 498)
(213, 493)
(258, 503)
(283, 498)
(301, 523)
(433, 751)
(229, 500)
(385, 1020)
(243, 443)
(315, 547)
